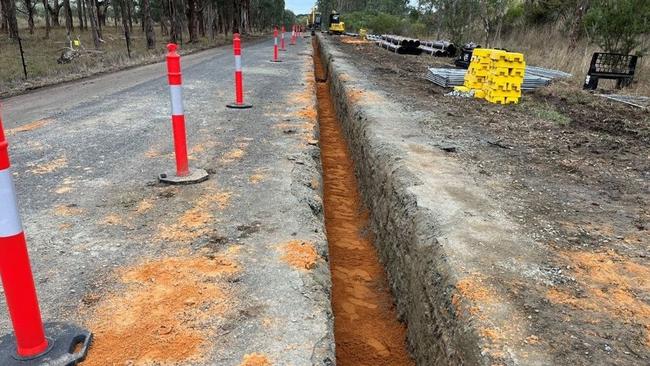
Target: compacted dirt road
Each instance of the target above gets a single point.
(227, 272)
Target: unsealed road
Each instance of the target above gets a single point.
(206, 274)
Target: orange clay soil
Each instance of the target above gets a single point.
(366, 328)
(299, 254)
(255, 359)
(163, 313)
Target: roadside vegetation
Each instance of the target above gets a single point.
(551, 33)
(76, 38)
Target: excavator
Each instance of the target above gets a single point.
(314, 20)
(336, 25)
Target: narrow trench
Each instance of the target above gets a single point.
(366, 328)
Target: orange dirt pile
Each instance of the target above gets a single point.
(300, 254)
(349, 40)
(163, 314)
(29, 126)
(195, 221)
(365, 328)
(612, 286)
(255, 359)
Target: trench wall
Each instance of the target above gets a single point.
(420, 277)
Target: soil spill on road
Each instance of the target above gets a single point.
(366, 328)
(300, 254)
(164, 314)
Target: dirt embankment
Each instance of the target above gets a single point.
(511, 235)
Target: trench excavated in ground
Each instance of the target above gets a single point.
(366, 328)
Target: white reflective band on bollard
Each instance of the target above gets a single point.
(237, 63)
(275, 41)
(10, 224)
(176, 92)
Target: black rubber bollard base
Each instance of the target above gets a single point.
(275, 61)
(239, 106)
(68, 345)
(195, 176)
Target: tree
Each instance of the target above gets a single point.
(125, 22)
(80, 15)
(54, 13)
(618, 25)
(94, 23)
(29, 10)
(67, 12)
(492, 13)
(455, 17)
(9, 14)
(47, 19)
(147, 23)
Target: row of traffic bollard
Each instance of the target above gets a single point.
(63, 344)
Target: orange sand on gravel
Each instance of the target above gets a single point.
(194, 222)
(300, 254)
(67, 210)
(163, 314)
(256, 178)
(144, 206)
(366, 328)
(611, 283)
(234, 154)
(49, 167)
(112, 219)
(29, 126)
(255, 359)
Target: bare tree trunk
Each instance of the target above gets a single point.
(47, 20)
(129, 6)
(29, 8)
(94, 23)
(85, 13)
(125, 22)
(575, 30)
(3, 19)
(9, 9)
(54, 13)
(116, 13)
(69, 26)
(192, 23)
(80, 15)
(148, 25)
(163, 26)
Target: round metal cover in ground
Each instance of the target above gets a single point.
(239, 106)
(195, 176)
(68, 345)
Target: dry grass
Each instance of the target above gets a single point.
(41, 55)
(548, 47)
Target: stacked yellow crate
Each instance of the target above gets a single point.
(506, 76)
(478, 71)
(495, 75)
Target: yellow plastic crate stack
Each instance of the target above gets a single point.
(495, 75)
(479, 69)
(505, 78)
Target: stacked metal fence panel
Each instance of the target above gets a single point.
(546, 73)
(447, 77)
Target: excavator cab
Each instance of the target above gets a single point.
(336, 25)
